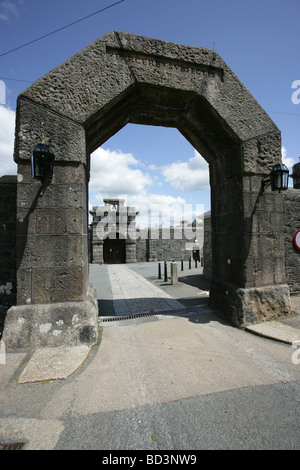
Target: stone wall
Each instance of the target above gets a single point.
(147, 244)
(291, 205)
(8, 191)
(167, 244)
(207, 252)
(291, 225)
(147, 248)
(296, 175)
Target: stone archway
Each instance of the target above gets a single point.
(122, 78)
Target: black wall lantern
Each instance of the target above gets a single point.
(279, 178)
(42, 161)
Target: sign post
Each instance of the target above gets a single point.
(297, 240)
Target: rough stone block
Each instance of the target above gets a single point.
(262, 153)
(26, 222)
(68, 137)
(24, 283)
(54, 196)
(52, 324)
(67, 284)
(51, 221)
(75, 220)
(41, 286)
(243, 306)
(42, 251)
(264, 271)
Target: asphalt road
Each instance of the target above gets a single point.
(161, 384)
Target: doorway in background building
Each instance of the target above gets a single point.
(114, 251)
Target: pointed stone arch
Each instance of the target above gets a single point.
(122, 78)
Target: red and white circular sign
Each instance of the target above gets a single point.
(297, 239)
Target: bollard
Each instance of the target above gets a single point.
(174, 274)
(190, 263)
(182, 265)
(196, 263)
(166, 272)
(2, 353)
(159, 270)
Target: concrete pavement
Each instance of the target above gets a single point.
(122, 293)
(126, 293)
(180, 374)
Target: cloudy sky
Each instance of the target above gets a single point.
(152, 165)
(150, 175)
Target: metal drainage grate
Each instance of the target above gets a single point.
(12, 445)
(181, 311)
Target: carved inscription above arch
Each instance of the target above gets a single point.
(165, 64)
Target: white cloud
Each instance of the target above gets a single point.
(3, 17)
(2, 92)
(7, 129)
(156, 209)
(288, 161)
(9, 8)
(118, 174)
(115, 173)
(153, 167)
(188, 176)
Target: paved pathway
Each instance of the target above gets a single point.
(135, 288)
(158, 382)
(132, 294)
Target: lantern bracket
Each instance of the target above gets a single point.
(278, 178)
(42, 161)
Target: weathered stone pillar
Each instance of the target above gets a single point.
(51, 237)
(291, 204)
(248, 276)
(8, 195)
(207, 251)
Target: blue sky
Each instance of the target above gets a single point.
(259, 40)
